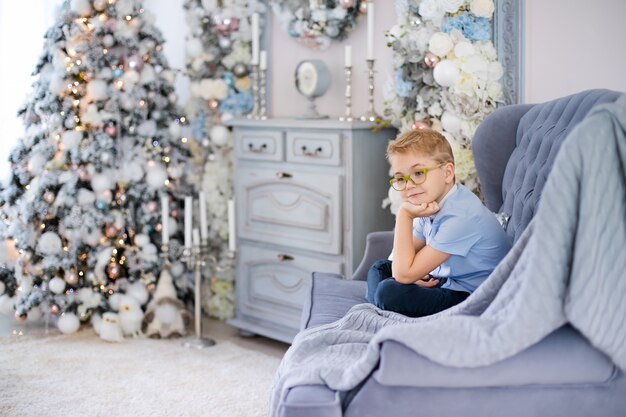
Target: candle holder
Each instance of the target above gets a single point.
(263, 94)
(371, 115)
(348, 117)
(254, 75)
(197, 257)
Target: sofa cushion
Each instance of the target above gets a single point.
(330, 299)
(310, 401)
(563, 357)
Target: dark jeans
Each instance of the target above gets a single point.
(409, 299)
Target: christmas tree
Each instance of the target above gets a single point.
(102, 151)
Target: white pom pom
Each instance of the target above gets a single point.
(219, 135)
(147, 74)
(156, 176)
(57, 85)
(446, 73)
(194, 47)
(147, 128)
(451, 122)
(34, 314)
(96, 322)
(101, 182)
(114, 301)
(7, 304)
(71, 138)
(81, 7)
(141, 240)
(175, 129)
(36, 163)
(177, 269)
(85, 197)
(130, 78)
(57, 285)
(97, 89)
(138, 291)
(49, 243)
(68, 323)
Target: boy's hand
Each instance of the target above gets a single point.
(427, 281)
(420, 210)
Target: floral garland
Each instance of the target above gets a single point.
(318, 22)
(218, 53)
(447, 76)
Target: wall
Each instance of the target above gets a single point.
(573, 45)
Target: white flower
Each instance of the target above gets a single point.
(482, 8)
(440, 44)
(495, 71)
(213, 89)
(464, 49)
(194, 47)
(451, 6)
(49, 243)
(431, 10)
(494, 90)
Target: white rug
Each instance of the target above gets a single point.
(81, 375)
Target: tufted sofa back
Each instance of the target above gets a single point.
(514, 149)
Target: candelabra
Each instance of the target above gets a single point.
(348, 117)
(197, 257)
(263, 94)
(254, 75)
(371, 115)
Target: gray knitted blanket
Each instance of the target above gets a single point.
(568, 266)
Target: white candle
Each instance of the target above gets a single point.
(255, 38)
(263, 60)
(188, 213)
(204, 228)
(231, 225)
(196, 237)
(165, 220)
(370, 30)
(348, 55)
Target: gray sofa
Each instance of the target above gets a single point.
(563, 375)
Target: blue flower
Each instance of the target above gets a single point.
(237, 104)
(473, 28)
(403, 88)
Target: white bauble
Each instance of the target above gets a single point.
(464, 49)
(156, 176)
(57, 285)
(138, 291)
(114, 301)
(68, 323)
(81, 7)
(36, 163)
(169, 76)
(177, 269)
(219, 135)
(85, 197)
(173, 226)
(34, 314)
(97, 89)
(175, 129)
(451, 122)
(141, 240)
(71, 139)
(446, 73)
(147, 74)
(147, 128)
(49, 243)
(130, 78)
(176, 171)
(7, 304)
(108, 40)
(194, 47)
(2, 288)
(101, 182)
(125, 7)
(92, 237)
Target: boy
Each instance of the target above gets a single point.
(446, 243)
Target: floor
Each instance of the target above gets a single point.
(210, 328)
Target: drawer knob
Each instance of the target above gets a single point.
(260, 149)
(284, 258)
(315, 152)
(281, 175)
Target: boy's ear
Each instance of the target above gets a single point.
(449, 170)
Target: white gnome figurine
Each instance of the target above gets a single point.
(130, 315)
(110, 328)
(166, 315)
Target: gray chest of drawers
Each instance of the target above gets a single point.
(307, 193)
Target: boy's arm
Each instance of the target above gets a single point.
(412, 259)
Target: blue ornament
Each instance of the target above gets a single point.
(118, 72)
(101, 205)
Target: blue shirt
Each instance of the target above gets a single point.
(466, 229)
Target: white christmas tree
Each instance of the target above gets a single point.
(102, 149)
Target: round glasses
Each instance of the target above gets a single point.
(417, 177)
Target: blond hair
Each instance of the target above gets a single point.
(425, 141)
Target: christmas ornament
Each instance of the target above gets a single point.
(240, 70)
(446, 73)
(71, 277)
(431, 60)
(68, 323)
(113, 270)
(165, 315)
(346, 3)
(420, 125)
(48, 197)
(109, 328)
(56, 285)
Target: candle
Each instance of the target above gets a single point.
(263, 60)
(255, 39)
(196, 237)
(370, 30)
(348, 55)
(188, 213)
(204, 228)
(165, 220)
(231, 225)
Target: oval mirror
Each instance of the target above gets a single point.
(316, 23)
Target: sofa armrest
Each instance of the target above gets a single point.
(378, 246)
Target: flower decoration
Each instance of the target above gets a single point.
(218, 55)
(447, 76)
(318, 22)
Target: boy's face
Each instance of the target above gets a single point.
(439, 178)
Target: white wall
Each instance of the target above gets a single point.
(574, 45)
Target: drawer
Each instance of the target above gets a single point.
(272, 284)
(294, 209)
(314, 148)
(265, 145)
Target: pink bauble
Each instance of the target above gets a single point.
(83, 174)
(234, 23)
(363, 7)
(111, 130)
(431, 60)
(134, 62)
(152, 206)
(420, 125)
(99, 5)
(71, 277)
(346, 4)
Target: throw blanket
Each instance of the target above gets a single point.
(568, 266)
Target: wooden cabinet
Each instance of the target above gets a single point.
(307, 192)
